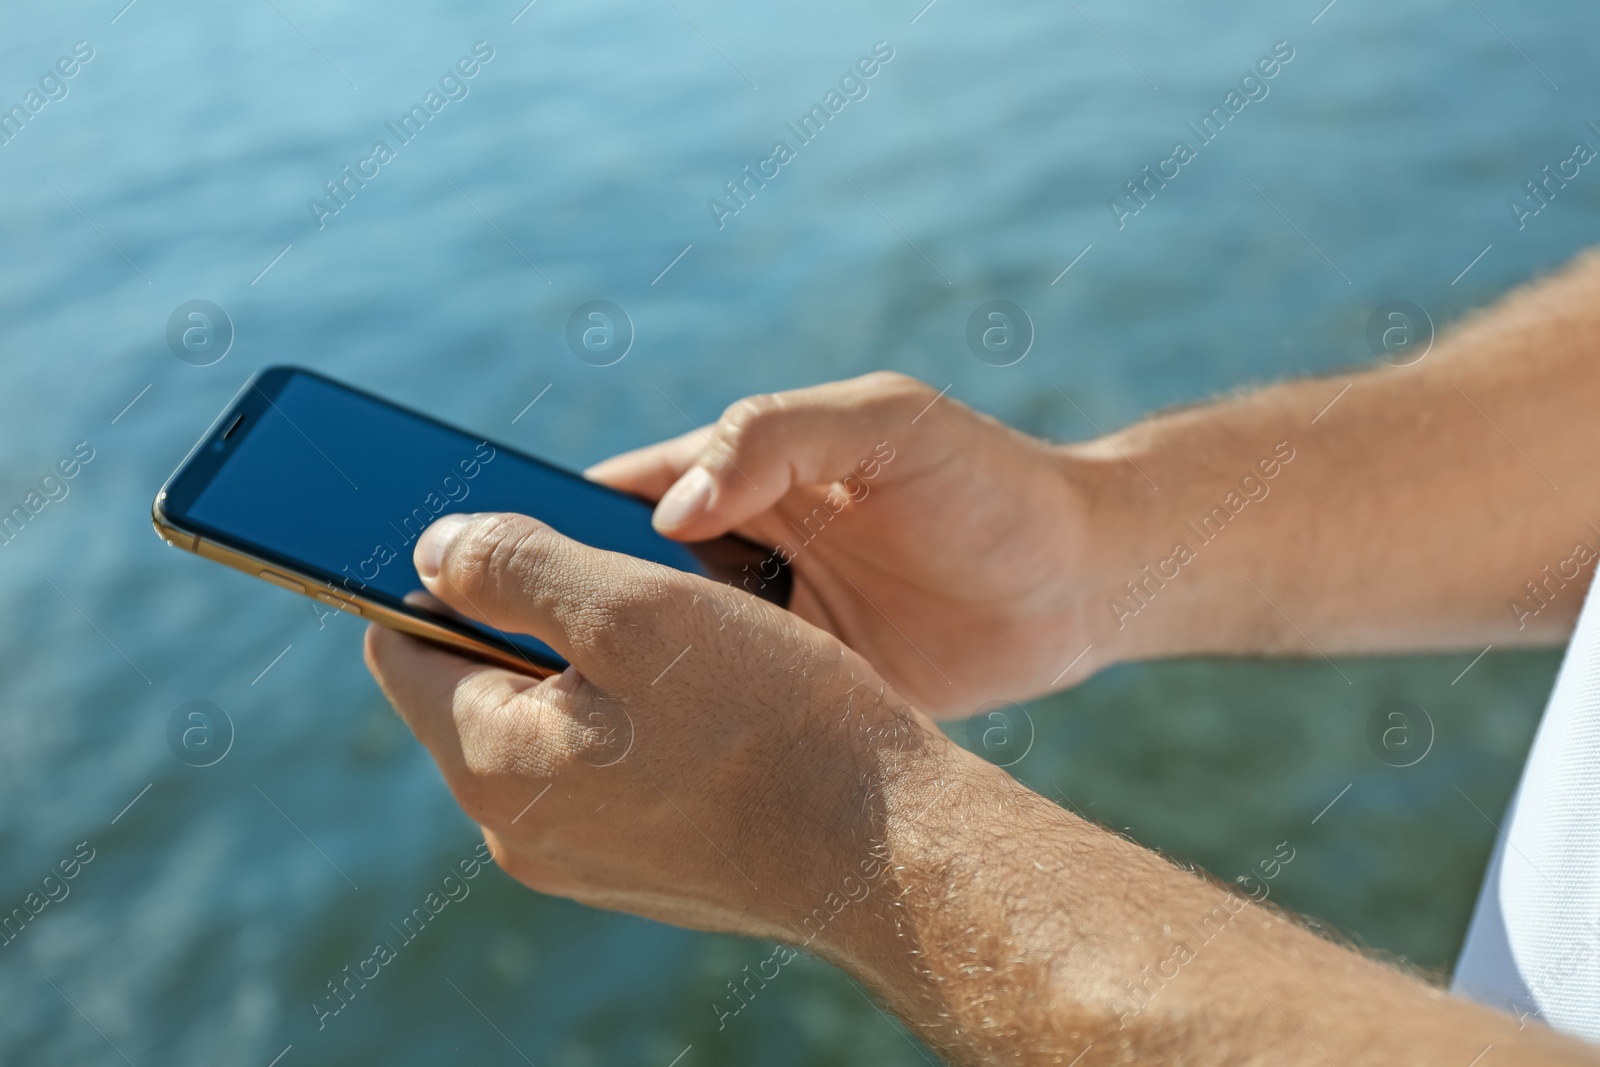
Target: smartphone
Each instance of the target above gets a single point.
(323, 489)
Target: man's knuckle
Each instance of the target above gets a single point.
(747, 421)
(890, 381)
(899, 390)
(519, 546)
(498, 557)
(468, 556)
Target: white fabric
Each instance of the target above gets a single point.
(1534, 944)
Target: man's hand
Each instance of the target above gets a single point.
(712, 761)
(708, 760)
(1446, 504)
(948, 549)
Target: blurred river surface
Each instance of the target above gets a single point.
(576, 164)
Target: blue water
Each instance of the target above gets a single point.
(578, 165)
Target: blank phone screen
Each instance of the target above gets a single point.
(339, 484)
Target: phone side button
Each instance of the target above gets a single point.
(340, 603)
(284, 580)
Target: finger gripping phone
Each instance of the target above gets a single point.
(323, 489)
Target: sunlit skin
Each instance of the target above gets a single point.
(774, 763)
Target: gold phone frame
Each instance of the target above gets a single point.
(328, 594)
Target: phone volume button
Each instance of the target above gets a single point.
(340, 603)
(284, 580)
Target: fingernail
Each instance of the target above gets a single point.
(685, 501)
(429, 553)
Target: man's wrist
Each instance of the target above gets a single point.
(911, 786)
(1181, 510)
(971, 913)
(1119, 531)
(922, 802)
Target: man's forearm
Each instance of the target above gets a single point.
(1007, 930)
(1411, 510)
